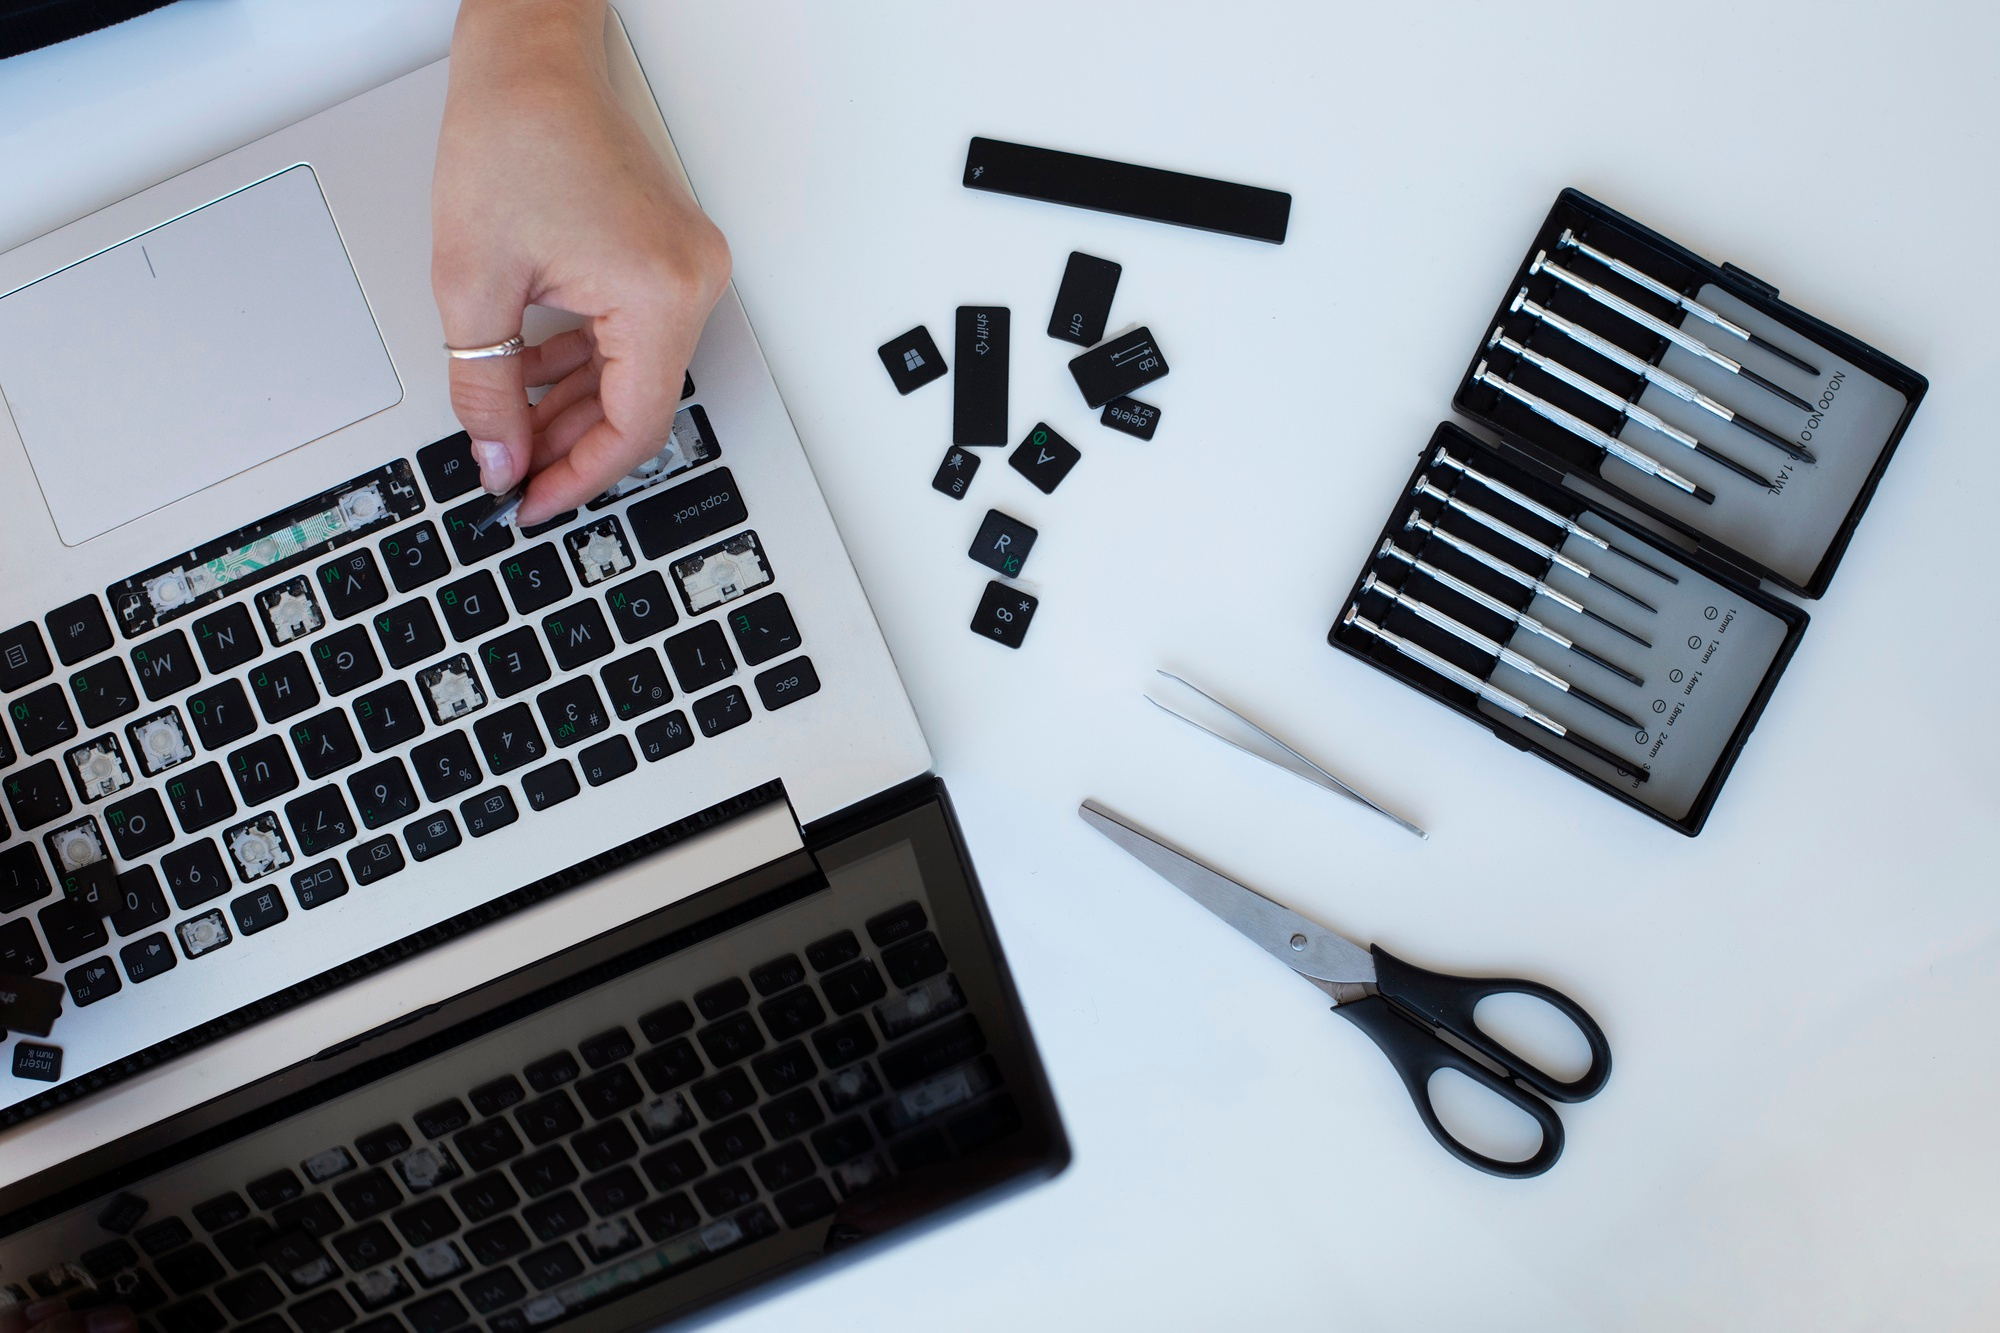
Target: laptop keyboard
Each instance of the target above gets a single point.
(609, 1158)
(345, 691)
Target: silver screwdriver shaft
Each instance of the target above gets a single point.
(1416, 522)
(1443, 458)
(1522, 539)
(1590, 434)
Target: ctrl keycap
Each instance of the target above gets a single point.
(1004, 614)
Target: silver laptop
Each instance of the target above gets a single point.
(407, 926)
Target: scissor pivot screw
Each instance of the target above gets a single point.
(1299, 942)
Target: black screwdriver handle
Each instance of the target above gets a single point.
(1448, 1002)
(1417, 1053)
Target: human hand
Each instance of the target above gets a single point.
(55, 1316)
(547, 193)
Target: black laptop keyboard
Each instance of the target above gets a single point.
(144, 829)
(752, 1106)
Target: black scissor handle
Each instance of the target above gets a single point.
(1417, 1052)
(1448, 1001)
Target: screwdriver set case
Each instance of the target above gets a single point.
(1671, 436)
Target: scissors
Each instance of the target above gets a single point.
(1422, 1020)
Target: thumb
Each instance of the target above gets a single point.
(489, 394)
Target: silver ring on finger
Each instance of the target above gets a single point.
(511, 347)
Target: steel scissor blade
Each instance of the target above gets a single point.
(1304, 946)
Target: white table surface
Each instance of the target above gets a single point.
(1800, 1129)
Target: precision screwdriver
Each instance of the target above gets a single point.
(1417, 522)
(1493, 694)
(1590, 387)
(1570, 240)
(1500, 608)
(1500, 488)
(1583, 430)
(1493, 648)
(1522, 539)
(1612, 301)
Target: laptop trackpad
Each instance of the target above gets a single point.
(190, 353)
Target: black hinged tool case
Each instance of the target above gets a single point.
(1671, 436)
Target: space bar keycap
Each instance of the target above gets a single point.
(687, 513)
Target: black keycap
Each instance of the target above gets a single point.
(794, 1113)
(979, 394)
(725, 1094)
(165, 665)
(731, 1140)
(472, 606)
(495, 1290)
(636, 684)
(227, 638)
(147, 958)
(547, 1268)
(467, 543)
(487, 811)
(221, 714)
(1083, 301)
(320, 821)
(684, 514)
(263, 770)
(379, 1145)
(189, 1268)
(664, 736)
(409, 633)
(6, 758)
(346, 660)
(640, 607)
(667, 1217)
(432, 1314)
(1044, 458)
(1131, 416)
(573, 711)
(667, 1021)
(804, 1203)
(414, 556)
(1002, 543)
(42, 719)
(243, 1244)
(497, 1241)
(912, 961)
(71, 929)
(842, 1141)
(388, 716)
(721, 711)
(23, 658)
(20, 952)
(603, 1145)
(495, 1097)
(374, 860)
(784, 1166)
(311, 1214)
(668, 1066)
(724, 997)
(535, 578)
(787, 683)
(605, 1047)
(561, 520)
(548, 1117)
(382, 793)
(898, 923)
(445, 766)
(955, 473)
(281, 1186)
(614, 1191)
(764, 629)
(784, 1068)
(351, 583)
(557, 1215)
(283, 687)
(367, 1194)
(111, 1258)
(36, 794)
(488, 1143)
(138, 824)
(514, 662)
(449, 467)
(912, 360)
(1116, 367)
(949, 1043)
(483, 1197)
(92, 981)
(853, 986)
(606, 760)
(726, 1192)
(434, 1122)
(288, 1251)
(915, 1151)
(103, 691)
(78, 630)
(551, 785)
(325, 743)
(315, 886)
(792, 1013)
(577, 634)
(1004, 614)
(366, 1246)
(22, 879)
(322, 1313)
(778, 974)
(508, 739)
(194, 1316)
(551, 1071)
(194, 873)
(606, 1093)
(433, 836)
(421, 1223)
(673, 1165)
(545, 1171)
(700, 657)
(163, 1236)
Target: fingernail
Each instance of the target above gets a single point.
(496, 469)
(40, 1310)
(108, 1321)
